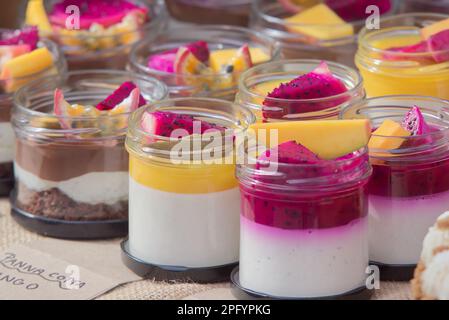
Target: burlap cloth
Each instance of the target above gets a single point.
(11, 233)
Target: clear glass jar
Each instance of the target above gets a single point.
(437, 6)
(409, 187)
(401, 73)
(88, 49)
(217, 37)
(185, 215)
(267, 16)
(304, 227)
(229, 12)
(72, 172)
(8, 87)
(256, 82)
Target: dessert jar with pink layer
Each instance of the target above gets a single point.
(304, 228)
(105, 32)
(409, 187)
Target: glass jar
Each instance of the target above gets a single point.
(7, 89)
(230, 12)
(268, 16)
(437, 6)
(184, 216)
(401, 73)
(304, 227)
(256, 82)
(72, 172)
(217, 37)
(409, 187)
(95, 48)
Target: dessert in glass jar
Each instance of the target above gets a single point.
(299, 90)
(71, 166)
(23, 58)
(437, 6)
(96, 34)
(184, 199)
(202, 60)
(304, 224)
(314, 29)
(409, 188)
(229, 12)
(409, 54)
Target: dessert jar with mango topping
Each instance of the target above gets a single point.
(409, 187)
(97, 34)
(70, 164)
(299, 90)
(204, 60)
(18, 69)
(315, 29)
(184, 198)
(396, 59)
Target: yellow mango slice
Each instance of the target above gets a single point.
(390, 130)
(27, 64)
(434, 28)
(218, 58)
(319, 22)
(37, 16)
(329, 139)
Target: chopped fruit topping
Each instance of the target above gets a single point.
(27, 36)
(9, 52)
(434, 28)
(290, 152)
(319, 22)
(319, 83)
(200, 50)
(163, 61)
(163, 123)
(414, 122)
(37, 16)
(187, 63)
(328, 139)
(27, 64)
(220, 58)
(385, 137)
(351, 10)
(119, 96)
(439, 42)
(101, 12)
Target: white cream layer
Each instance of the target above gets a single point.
(398, 226)
(190, 230)
(303, 263)
(92, 188)
(6, 142)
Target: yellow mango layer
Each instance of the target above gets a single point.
(329, 139)
(184, 179)
(389, 129)
(319, 22)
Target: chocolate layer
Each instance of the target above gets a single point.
(62, 161)
(5, 107)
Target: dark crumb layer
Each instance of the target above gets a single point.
(55, 204)
(6, 170)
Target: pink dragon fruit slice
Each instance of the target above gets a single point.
(162, 123)
(200, 50)
(104, 12)
(290, 152)
(26, 36)
(351, 10)
(319, 83)
(439, 45)
(414, 122)
(164, 61)
(118, 97)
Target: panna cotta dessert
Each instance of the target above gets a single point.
(100, 34)
(184, 208)
(409, 187)
(431, 278)
(316, 29)
(70, 163)
(23, 58)
(304, 224)
(202, 60)
(299, 90)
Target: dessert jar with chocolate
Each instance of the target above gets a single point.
(71, 167)
(409, 188)
(229, 12)
(184, 199)
(96, 33)
(202, 60)
(315, 29)
(23, 58)
(299, 90)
